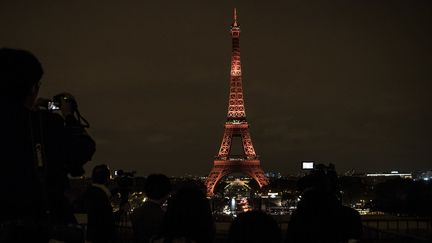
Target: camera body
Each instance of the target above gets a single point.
(320, 179)
(325, 169)
(55, 103)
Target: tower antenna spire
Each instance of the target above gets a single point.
(235, 18)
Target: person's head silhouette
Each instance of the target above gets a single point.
(254, 227)
(157, 187)
(101, 174)
(20, 74)
(189, 217)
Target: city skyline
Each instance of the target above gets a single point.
(346, 83)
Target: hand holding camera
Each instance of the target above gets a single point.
(65, 103)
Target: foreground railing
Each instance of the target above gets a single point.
(371, 234)
(375, 229)
(405, 229)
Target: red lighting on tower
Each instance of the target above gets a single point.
(235, 126)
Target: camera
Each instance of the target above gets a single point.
(320, 178)
(56, 102)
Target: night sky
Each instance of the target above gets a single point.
(347, 82)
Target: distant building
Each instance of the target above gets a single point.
(273, 175)
(425, 176)
(375, 178)
(393, 174)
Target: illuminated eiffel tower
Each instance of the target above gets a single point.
(235, 126)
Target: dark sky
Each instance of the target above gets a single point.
(347, 82)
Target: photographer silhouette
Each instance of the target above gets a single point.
(40, 148)
(320, 215)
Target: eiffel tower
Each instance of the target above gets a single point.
(235, 126)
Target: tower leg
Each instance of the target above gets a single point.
(258, 175)
(213, 178)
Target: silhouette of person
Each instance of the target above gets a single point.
(254, 227)
(188, 218)
(320, 216)
(147, 219)
(39, 149)
(100, 216)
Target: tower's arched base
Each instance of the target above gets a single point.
(222, 168)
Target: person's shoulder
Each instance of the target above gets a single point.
(146, 207)
(94, 191)
(348, 211)
(147, 211)
(175, 240)
(150, 205)
(55, 117)
(50, 118)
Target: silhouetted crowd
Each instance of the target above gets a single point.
(45, 142)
